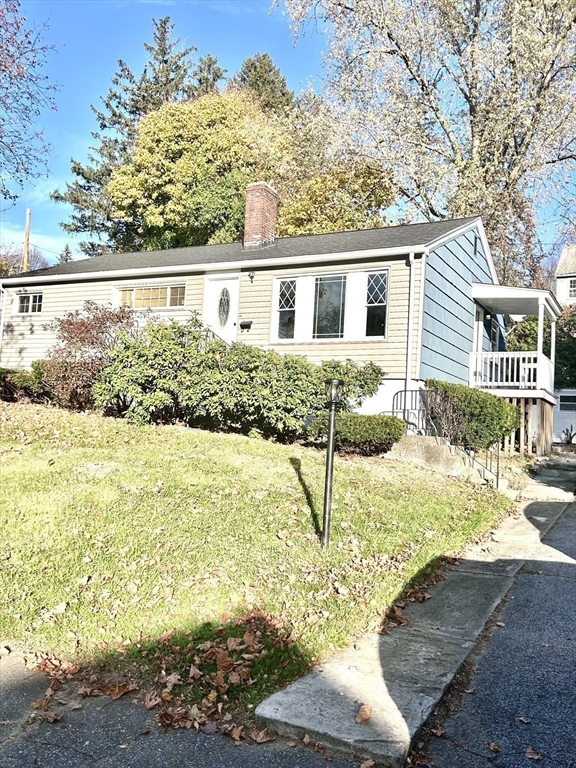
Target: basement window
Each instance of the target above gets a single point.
(572, 289)
(29, 303)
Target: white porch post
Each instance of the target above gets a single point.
(540, 326)
(553, 342)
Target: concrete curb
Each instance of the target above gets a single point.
(402, 676)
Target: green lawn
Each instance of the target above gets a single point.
(129, 547)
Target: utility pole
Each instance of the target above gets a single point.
(26, 250)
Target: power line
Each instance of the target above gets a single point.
(44, 249)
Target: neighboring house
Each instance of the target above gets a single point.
(565, 416)
(565, 410)
(566, 276)
(420, 300)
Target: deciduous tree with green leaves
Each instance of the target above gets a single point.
(185, 183)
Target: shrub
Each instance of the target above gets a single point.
(24, 385)
(469, 417)
(74, 364)
(360, 433)
(174, 371)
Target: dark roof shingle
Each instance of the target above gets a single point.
(396, 237)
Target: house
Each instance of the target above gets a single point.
(565, 409)
(420, 300)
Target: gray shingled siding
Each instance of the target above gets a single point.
(449, 311)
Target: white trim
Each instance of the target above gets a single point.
(305, 303)
(534, 394)
(421, 314)
(16, 303)
(486, 294)
(409, 339)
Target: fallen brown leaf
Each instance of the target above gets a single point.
(493, 747)
(49, 716)
(524, 719)
(236, 732)
(261, 736)
(533, 754)
(194, 674)
(367, 764)
(364, 714)
(171, 681)
(306, 739)
(152, 700)
(437, 732)
(116, 691)
(500, 624)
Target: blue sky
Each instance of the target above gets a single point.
(91, 35)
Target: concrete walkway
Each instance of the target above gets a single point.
(402, 676)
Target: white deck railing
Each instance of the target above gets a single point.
(511, 370)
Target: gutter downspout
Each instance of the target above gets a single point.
(3, 302)
(409, 340)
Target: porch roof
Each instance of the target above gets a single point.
(508, 300)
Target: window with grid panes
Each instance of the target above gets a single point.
(329, 306)
(286, 309)
(567, 402)
(153, 297)
(572, 288)
(376, 302)
(29, 303)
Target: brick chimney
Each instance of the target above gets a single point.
(260, 221)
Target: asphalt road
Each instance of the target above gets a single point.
(524, 700)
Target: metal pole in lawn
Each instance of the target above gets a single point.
(333, 394)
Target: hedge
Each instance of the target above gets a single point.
(174, 372)
(468, 416)
(24, 385)
(360, 433)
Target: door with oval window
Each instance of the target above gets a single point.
(221, 305)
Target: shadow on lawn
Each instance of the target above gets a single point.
(297, 466)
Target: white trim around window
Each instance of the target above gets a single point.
(27, 303)
(157, 296)
(364, 294)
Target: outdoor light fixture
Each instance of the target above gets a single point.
(251, 275)
(333, 397)
(245, 325)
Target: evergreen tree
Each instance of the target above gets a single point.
(259, 75)
(207, 75)
(166, 78)
(66, 255)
